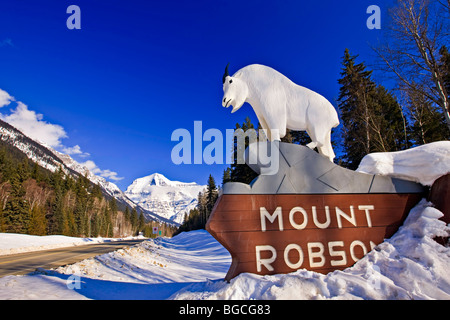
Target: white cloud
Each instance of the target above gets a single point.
(5, 98)
(75, 150)
(107, 174)
(32, 124)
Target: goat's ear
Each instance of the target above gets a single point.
(226, 74)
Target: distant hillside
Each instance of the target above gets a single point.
(43, 191)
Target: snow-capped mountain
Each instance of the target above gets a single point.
(49, 158)
(166, 198)
(52, 160)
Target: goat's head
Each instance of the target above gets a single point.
(235, 91)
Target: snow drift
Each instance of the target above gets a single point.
(192, 265)
(410, 265)
(423, 164)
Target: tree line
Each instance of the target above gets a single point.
(36, 201)
(197, 217)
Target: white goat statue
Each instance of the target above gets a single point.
(281, 104)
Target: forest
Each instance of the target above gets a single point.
(36, 201)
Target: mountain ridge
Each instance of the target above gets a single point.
(51, 159)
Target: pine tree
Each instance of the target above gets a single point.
(38, 223)
(372, 119)
(134, 219)
(353, 104)
(141, 223)
(211, 196)
(16, 212)
(241, 172)
(226, 177)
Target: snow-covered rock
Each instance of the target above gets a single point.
(166, 198)
(423, 164)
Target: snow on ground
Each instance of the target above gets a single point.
(192, 265)
(423, 164)
(410, 265)
(153, 269)
(11, 243)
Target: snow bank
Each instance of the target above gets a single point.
(423, 164)
(11, 243)
(153, 269)
(192, 265)
(410, 265)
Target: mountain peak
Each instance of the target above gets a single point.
(157, 179)
(166, 198)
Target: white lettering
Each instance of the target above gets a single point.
(318, 254)
(366, 208)
(305, 218)
(316, 222)
(352, 249)
(334, 253)
(340, 213)
(290, 247)
(265, 262)
(276, 214)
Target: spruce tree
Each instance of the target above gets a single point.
(372, 119)
(241, 172)
(134, 219)
(353, 105)
(141, 223)
(16, 212)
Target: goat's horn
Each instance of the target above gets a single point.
(226, 73)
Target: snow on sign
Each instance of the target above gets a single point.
(312, 214)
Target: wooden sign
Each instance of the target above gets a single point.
(440, 196)
(311, 213)
(269, 234)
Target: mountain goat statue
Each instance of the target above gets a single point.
(281, 104)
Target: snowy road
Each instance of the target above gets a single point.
(23, 263)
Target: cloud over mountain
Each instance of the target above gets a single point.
(33, 125)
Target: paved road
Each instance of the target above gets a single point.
(23, 263)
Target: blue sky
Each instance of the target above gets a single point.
(138, 70)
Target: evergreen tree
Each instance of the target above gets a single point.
(38, 223)
(241, 172)
(353, 104)
(372, 119)
(226, 177)
(127, 214)
(134, 219)
(141, 223)
(16, 212)
(211, 195)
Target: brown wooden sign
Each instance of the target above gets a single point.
(280, 233)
